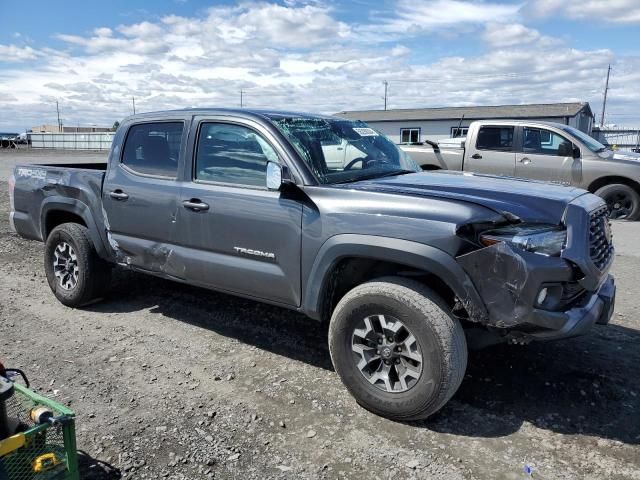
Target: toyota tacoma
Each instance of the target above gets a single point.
(410, 268)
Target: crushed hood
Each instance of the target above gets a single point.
(530, 200)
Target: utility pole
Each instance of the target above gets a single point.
(241, 102)
(604, 102)
(59, 124)
(386, 86)
(133, 101)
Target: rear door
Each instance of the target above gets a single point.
(491, 150)
(234, 233)
(547, 155)
(140, 193)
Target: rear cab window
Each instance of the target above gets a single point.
(495, 137)
(153, 148)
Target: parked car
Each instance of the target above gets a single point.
(408, 267)
(546, 151)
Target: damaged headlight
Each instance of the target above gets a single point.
(536, 238)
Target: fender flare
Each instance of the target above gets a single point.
(75, 206)
(405, 252)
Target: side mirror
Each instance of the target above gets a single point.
(576, 152)
(565, 149)
(277, 176)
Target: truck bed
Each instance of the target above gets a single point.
(41, 188)
(449, 156)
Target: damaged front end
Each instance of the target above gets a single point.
(543, 282)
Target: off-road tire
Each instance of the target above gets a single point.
(440, 338)
(94, 274)
(621, 190)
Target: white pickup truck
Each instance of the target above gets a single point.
(538, 150)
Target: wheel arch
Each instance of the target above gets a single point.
(381, 255)
(613, 179)
(58, 210)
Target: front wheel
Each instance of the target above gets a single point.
(75, 272)
(622, 200)
(396, 349)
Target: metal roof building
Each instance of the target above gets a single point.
(418, 124)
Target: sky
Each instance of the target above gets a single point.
(315, 55)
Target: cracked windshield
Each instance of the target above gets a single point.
(341, 151)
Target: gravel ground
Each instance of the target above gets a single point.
(178, 382)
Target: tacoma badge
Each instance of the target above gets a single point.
(255, 253)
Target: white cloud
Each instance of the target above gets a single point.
(12, 53)
(302, 56)
(619, 11)
(419, 16)
(509, 35)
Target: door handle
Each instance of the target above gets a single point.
(195, 205)
(477, 156)
(118, 195)
(525, 160)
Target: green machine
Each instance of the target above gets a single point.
(37, 435)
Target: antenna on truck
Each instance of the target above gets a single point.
(458, 131)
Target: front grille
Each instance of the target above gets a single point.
(600, 245)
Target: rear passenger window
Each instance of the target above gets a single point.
(495, 138)
(153, 148)
(232, 154)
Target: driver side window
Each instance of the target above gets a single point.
(545, 142)
(233, 154)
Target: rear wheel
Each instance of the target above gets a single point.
(75, 272)
(396, 350)
(622, 200)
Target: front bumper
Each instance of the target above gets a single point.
(598, 308)
(509, 282)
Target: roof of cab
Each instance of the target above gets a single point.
(237, 112)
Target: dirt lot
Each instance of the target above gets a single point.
(178, 382)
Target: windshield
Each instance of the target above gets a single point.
(340, 151)
(591, 143)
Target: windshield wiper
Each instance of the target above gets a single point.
(395, 172)
(384, 174)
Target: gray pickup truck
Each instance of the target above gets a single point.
(408, 267)
(547, 151)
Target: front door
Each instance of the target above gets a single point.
(234, 233)
(140, 195)
(548, 156)
(491, 151)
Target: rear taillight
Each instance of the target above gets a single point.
(12, 186)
